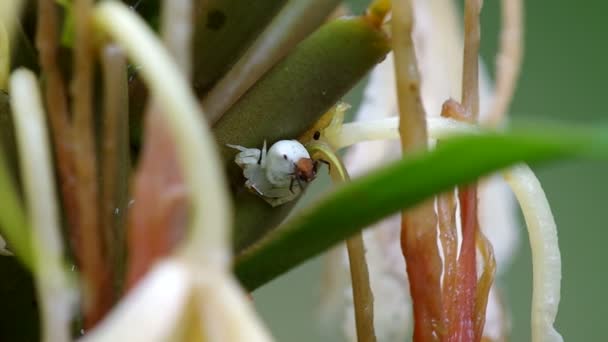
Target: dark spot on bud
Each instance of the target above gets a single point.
(216, 20)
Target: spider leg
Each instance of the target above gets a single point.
(291, 185)
(326, 163)
(299, 183)
(256, 190)
(262, 160)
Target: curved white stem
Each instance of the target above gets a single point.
(211, 218)
(355, 132)
(546, 259)
(57, 296)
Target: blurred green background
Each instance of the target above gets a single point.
(564, 77)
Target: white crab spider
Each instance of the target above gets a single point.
(273, 174)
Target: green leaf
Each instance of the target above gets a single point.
(288, 100)
(404, 184)
(8, 145)
(13, 222)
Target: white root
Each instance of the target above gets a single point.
(55, 290)
(386, 129)
(546, 259)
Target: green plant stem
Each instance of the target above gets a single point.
(223, 30)
(363, 297)
(8, 145)
(296, 20)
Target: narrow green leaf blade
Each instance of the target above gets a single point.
(13, 221)
(402, 185)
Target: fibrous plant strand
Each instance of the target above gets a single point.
(95, 270)
(418, 225)
(463, 315)
(484, 284)
(508, 60)
(56, 101)
(363, 297)
(470, 70)
(115, 160)
(448, 236)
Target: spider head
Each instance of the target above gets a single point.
(306, 169)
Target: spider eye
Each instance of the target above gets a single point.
(285, 156)
(317, 135)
